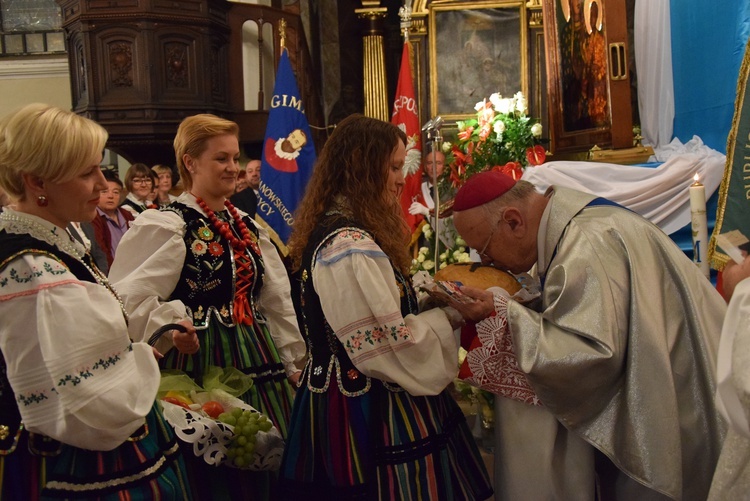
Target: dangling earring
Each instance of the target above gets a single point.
(41, 201)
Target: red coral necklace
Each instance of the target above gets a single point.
(223, 227)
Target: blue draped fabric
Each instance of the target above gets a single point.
(708, 42)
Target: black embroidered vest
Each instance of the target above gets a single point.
(207, 282)
(12, 246)
(136, 207)
(327, 356)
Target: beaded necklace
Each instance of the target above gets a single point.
(20, 224)
(223, 227)
(245, 270)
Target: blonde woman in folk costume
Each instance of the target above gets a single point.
(372, 418)
(203, 261)
(76, 394)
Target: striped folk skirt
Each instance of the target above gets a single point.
(380, 445)
(249, 348)
(146, 466)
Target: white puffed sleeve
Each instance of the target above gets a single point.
(733, 366)
(276, 306)
(75, 373)
(145, 272)
(361, 301)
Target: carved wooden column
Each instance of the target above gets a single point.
(376, 86)
(138, 67)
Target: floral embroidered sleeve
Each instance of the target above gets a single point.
(361, 301)
(75, 373)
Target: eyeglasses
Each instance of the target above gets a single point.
(482, 252)
(142, 180)
(487, 243)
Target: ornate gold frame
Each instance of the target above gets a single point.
(437, 7)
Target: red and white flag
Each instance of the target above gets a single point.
(406, 117)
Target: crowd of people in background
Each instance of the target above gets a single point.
(119, 204)
(349, 364)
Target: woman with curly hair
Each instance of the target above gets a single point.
(372, 418)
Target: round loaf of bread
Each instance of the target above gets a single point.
(479, 276)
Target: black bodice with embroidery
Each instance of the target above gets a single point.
(207, 282)
(327, 356)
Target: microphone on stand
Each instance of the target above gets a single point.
(432, 129)
(433, 124)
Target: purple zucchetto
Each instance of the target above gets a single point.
(482, 188)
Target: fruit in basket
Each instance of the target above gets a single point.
(227, 418)
(176, 401)
(213, 408)
(248, 423)
(179, 396)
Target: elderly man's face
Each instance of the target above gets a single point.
(494, 238)
(434, 163)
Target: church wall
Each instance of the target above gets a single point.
(23, 82)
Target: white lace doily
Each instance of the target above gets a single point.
(211, 437)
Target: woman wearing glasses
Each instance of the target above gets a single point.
(139, 181)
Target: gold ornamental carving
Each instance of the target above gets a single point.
(375, 82)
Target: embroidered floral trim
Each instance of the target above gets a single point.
(317, 372)
(34, 397)
(31, 398)
(351, 234)
(198, 247)
(205, 233)
(331, 248)
(368, 383)
(215, 249)
(201, 316)
(106, 363)
(75, 378)
(199, 313)
(28, 277)
(210, 285)
(377, 334)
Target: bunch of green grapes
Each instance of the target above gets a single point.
(246, 424)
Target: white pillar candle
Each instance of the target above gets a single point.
(699, 225)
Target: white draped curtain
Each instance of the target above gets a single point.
(653, 60)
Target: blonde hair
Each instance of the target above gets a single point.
(191, 138)
(48, 142)
(162, 169)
